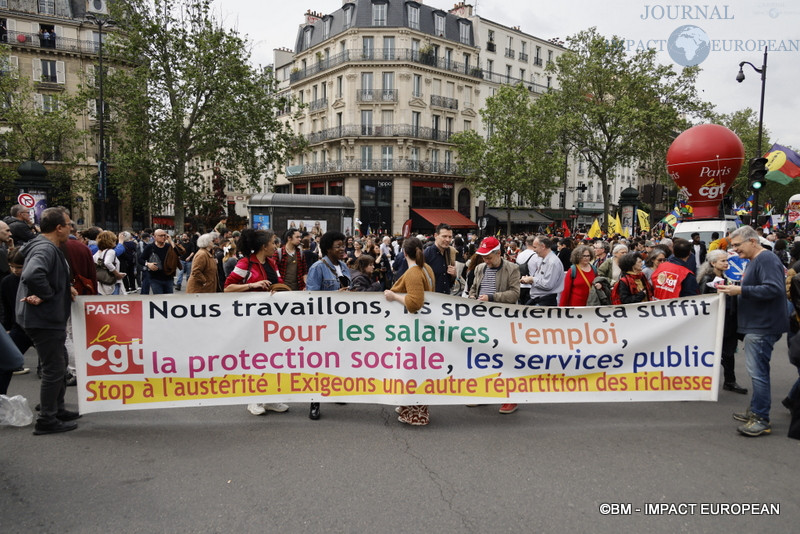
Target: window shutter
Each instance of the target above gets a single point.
(37, 69)
(90, 81)
(11, 25)
(38, 101)
(91, 107)
(13, 63)
(60, 72)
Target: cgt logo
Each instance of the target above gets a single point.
(712, 190)
(114, 338)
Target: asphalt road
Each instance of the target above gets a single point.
(545, 468)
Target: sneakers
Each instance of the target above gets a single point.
(744, 417)
(22, 371)
(256, 409)
(54, 428)
(755, 427)
(261, 409)
(508, 408)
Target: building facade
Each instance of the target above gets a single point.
(52, 43)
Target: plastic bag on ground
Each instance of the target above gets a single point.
(14, 411)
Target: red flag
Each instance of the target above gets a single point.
(407, 229)
(564, 227)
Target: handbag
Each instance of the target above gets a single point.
(104, 276)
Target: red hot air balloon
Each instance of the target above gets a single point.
(703, 161)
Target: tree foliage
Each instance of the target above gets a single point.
(43, 132)
(511, 162)
(623, 107)
(189, 96)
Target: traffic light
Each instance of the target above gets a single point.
(756, 173)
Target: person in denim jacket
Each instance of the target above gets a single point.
(330, 273)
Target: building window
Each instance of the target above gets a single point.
(307, 38)
(522, 74)
(549, 81)
(434, 160)
(549, 56)
(416, 116)
(366, 122)
(439, 25)
(366, 158)
(47, 7)
(491, 36)
(490, 66)
(340, 87)
(466, 63)
(415, 49)
(49, 103)
(49, 73)
(379, 14)
(348, 17)
(336, 188)
(431, 195)
(448, 161)
(413, 17)
(414, 159)
(368, 47)
(388, 48)
(467, 126)
(463, 32)
(326, 28)
(537, 59)
(416, 88)
(386, 158)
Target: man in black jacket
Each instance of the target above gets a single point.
(19, 222)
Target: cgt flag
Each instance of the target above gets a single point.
(783, 164)
(595, 231)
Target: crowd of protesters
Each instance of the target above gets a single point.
(541, 269)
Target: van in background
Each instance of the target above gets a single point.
(705, 228)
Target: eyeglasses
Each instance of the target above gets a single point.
(739, 244)
(586, 256)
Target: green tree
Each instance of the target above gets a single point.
(42, 127)
(511, 162)
(619, 105)
(189, 96)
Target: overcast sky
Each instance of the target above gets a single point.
(272, 24)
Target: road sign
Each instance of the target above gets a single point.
(26, 200)
(736, 267)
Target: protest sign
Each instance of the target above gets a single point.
(136, 352)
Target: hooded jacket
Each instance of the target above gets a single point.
(45, 274)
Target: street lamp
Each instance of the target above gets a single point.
(102, 182)
(740, 79)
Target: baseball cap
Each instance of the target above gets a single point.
(488, 245)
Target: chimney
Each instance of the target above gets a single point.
(462, 10)
(312, 17)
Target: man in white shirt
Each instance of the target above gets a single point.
(522, 260)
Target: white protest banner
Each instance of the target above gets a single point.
(195, 350)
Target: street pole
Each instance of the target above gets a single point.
(740, 79)
(102, 181)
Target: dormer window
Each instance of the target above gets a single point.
(348, 16)
(413, 17)
(439, 24)
(379, 14)
(307, 38)
(47, 7)
(326, 27)
(463, 32)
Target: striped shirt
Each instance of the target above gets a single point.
(489, 281)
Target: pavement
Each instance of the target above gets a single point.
(601, 468)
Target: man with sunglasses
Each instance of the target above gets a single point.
(762, 296)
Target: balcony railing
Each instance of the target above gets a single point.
(372, 165)
(491, 47)
(496, 77)
(35, 40)
(537, 61)
(510, 53)
(523, 57)
(376, 95)
(388, 54)
(444, 102)
(394, 130)
(316, 105)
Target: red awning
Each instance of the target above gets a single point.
(451, 217)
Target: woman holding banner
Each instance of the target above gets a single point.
(410, 291)
(256, 271)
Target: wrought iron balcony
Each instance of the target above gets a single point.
(537, 61)
(444, 102)
(510, 53)
(318, 104)
(393, 130)
(523, 57)
(376, 95)
(35, 40)
(372, 165)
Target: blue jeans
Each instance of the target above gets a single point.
(186, 270)
(161, 287)
(758, 351)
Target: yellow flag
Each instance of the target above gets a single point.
(611, 226)
(644, 220)
(595, 231)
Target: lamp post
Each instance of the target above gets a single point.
(102, 182)
(740, 79)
